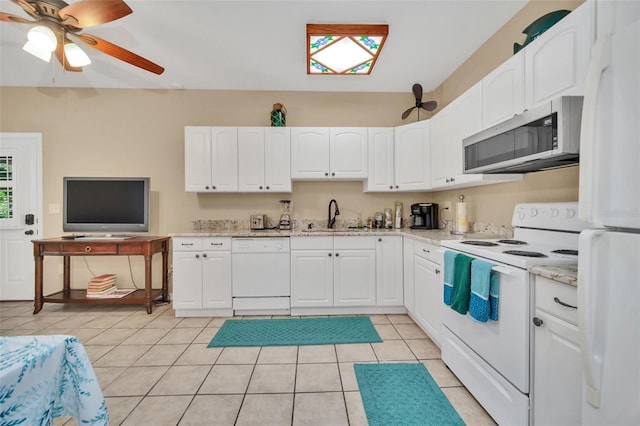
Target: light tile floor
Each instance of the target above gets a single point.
(157, 370)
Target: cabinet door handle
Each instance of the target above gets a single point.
(260, 188)
(537, 321)
(426, 251)
(204, 255)
(326, 173)
(197, 256)
(437, 271)
(329, 254)
(337, 254)
(380, 239)
(186, 244)
(566, 305)
(390, 186)
(215, 244)
(267, 188)
(213, 187)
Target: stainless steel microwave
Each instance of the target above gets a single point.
(544, 137)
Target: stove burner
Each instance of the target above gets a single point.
(524, 253)
(514, 242)
(566, 251)
(480, 243)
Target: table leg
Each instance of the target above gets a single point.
(66, 275)
(37, 303)
(165, 273)
(147, 283)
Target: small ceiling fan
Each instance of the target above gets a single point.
(66, 21)
(427, 106)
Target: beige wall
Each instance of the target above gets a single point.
(106, 132)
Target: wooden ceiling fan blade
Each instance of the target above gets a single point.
(89, 13)
(429, 105)
(119, 53)
(417, 92)
(28, 7)
(7, 17)
(61, 56)
(407, 112)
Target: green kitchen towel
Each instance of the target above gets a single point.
(462, 284)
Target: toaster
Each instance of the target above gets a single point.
(258, 221)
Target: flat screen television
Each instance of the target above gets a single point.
(105, 204)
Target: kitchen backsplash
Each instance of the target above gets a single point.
(504, 231)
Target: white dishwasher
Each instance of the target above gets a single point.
(260, 275)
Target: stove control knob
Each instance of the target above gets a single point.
(571, 213)
(521, 215)
(554, 212)
(534, 212)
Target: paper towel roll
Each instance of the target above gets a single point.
(461, 217)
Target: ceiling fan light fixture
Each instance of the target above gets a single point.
(32, 48)
(75, 55)
(43, 38)
(344, 48)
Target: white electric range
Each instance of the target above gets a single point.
(492, 358)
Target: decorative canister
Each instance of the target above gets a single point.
(278, 116)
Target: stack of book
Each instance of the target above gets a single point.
(102, 285)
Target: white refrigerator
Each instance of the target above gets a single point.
(609, 252)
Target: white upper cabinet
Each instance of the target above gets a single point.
(381, 176)
(460, 119)
(503, 91)
(211, 159)
(556, 62)
(348, 152)
(412, 150)
(329, 153)
(264, 159)
(309, 153)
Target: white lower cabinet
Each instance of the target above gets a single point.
(557, 375)
(407, 266)
(344, 272)
(428, 282)
(354, 271)
(389, 265)
(311, 272)
(201, 276)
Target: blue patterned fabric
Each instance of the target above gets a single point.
(403, 394)
(449, 275)
(44, 377)
(295, 331)
(482, 306)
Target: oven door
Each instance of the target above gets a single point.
(503, 344)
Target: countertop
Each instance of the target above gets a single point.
(567, 274)
(433, 236)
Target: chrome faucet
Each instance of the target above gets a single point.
(332, 220)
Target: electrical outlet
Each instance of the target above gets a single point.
(447, 205)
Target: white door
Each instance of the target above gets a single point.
(389, 286)
(412, 153)
(224, 161)
(311, 278)
(277, 158)
(20, 212)
(381, 175)
(187, 279)
(608, 300)
(197, 159)
(309, 153)
(348, 152)
(216, 279)
(428, 296)
(251, 159)
(354, 281)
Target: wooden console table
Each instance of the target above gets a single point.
(137, 246)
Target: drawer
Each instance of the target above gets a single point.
(89, 248)
(312, 243)
(428, 251)
(549, 296)
(354, 243)
(216, 244)
(187, 243)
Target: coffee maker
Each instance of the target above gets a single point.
(424, 216)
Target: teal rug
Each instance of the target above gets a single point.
(403, 394)
(295, 332)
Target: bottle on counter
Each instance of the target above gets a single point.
(388, 219)
(398, 215)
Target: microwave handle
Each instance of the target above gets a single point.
(601, 54)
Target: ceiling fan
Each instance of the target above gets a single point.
(427, 106)
(66, 21)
